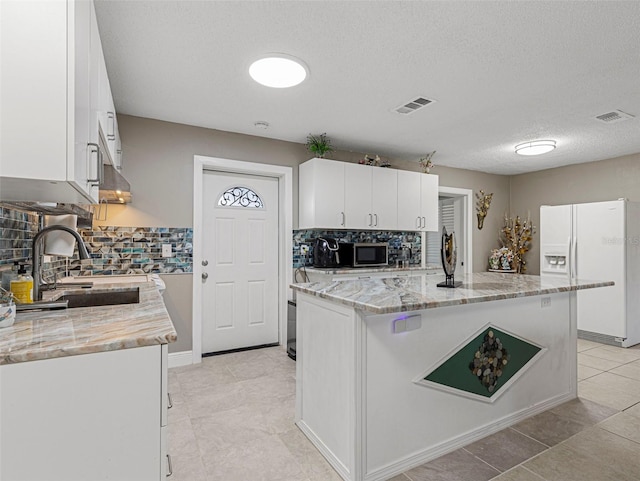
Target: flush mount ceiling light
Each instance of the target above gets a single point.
(278, 71)
(535, 147)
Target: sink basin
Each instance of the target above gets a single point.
(105, 298)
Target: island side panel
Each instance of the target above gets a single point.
(327, 361)
(408, 424)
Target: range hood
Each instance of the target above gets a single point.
(114, 188)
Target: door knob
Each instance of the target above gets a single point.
(205, 262)
(205, 276)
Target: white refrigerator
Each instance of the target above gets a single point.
(597, 241)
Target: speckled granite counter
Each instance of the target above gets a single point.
(373, 270)
(49, 334)
(416, 292)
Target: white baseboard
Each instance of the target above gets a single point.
(183, 358)
(342, 470)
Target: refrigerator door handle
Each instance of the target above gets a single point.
(574, 259)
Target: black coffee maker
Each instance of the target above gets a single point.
(325, 252)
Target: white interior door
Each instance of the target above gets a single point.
(240, 250)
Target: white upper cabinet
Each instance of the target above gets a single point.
(384, 199)
(409, 195)
(371, 197)
(357, 196)
(50, 102)
(340, 195)
(321, 190)
(417, 201)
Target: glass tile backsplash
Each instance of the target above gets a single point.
(395, 240)
(113, 250)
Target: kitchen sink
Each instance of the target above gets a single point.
(105, 298)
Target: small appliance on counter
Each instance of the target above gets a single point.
(365, 254)
(325, 252)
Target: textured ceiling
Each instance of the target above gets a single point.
(501, 72)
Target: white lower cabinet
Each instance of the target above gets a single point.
(86, 417)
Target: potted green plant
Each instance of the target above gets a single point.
(319, 145)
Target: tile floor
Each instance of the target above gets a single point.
(232, 420)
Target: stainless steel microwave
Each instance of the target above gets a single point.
(364, 254)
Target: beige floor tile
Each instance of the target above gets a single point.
(585, 345)
(549, 428)
(182, 440)
(518, 474)
(585, 359)
(505, 449)
(609, 381)
(400, 477)
(621, 454)
(624, 425)
(584, 411)
(630, 352)
(265, 459)
(585, 372)
(631, 370)
(612, 398)
(187, 467)
(200, 379)
(459, 465)
(633, 410)
(178, 411)
(614, 354)
(223, 430)
(563, 464)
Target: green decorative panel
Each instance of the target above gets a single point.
(485, 364)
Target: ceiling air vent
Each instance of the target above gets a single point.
(613, 117)
(413, 105)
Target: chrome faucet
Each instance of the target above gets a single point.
(37, 255)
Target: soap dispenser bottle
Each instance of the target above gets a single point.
(22, 286)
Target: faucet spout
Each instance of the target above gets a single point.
(37, 248)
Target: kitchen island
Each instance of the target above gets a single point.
(394, 372)
(83, 391)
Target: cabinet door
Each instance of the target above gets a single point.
(34, 92)
(384, 200)
(429, 202)
(78, 165)
(409, 193)
(357, 196)
(321, 194)
(86, 417)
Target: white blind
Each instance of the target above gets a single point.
(446, 218)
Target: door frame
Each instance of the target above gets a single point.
(284, 175)
(467, 203)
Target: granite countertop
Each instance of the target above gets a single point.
(419, 291)
(369, 270)
(48, 334)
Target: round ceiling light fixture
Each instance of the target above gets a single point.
(535, 147)
(278, 70)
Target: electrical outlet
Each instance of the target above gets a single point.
(545, 302)
(304, 249)
(166, 250)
